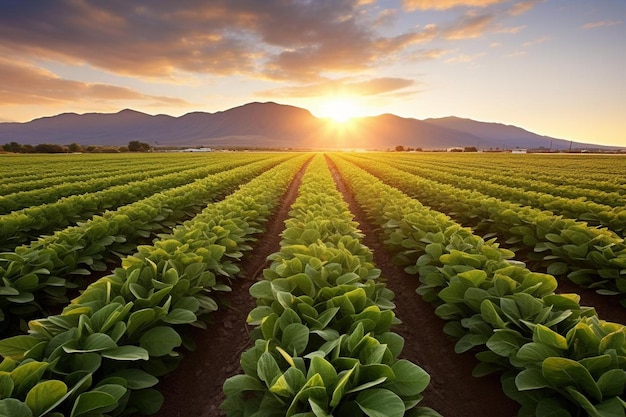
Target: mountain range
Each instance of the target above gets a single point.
(272, 125)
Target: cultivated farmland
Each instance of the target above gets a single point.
(312, 284)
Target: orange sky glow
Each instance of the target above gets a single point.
(554, 67)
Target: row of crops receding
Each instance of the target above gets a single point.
(142, 246)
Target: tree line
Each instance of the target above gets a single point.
(133, 146)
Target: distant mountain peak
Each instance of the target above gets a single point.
(270, 124)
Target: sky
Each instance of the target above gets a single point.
(554, 67)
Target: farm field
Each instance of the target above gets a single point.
(416, 284)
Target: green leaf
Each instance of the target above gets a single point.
(490, 314)
(563, 372)
(295, 338)
(44, 395)
(127, 353)
(93, 402)
(505, 342)
(410, 379)
(530, 379)
(268, 369)
(341, 386)
(241, 383)
(15, 347)
(323, 368)
(288, 383)
(612, 383)
(545, 335)
(140, 319)
(473, 278)
(380, 403)
(160, 341)
(6, 384)
(557, 268)
(180, 316)
(146, 401)
(535, 353)
(137, 379)
(11, 407)
(95, 342)
(26, 376)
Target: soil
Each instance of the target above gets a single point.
(195, 387)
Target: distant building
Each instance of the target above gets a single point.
(519, 151)
(198, 150)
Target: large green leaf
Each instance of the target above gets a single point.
(505, 342)
(410, 379)
(180, 316)
(93, 402)
(146, 401)
(136, 379)
(44, 395)
(295, 338)
(241, 383)
(530, 379)
(612, 383)
(268, 369)
(6, 384)
(535, 353)
(126, 353)
(289, 383)
(160, 341)
(11, 407)
(342, 385)
(93, 343)
(27, 375)
(546, 336)
(320, 366)
(380, 403)
(564, 372)
(15, 347)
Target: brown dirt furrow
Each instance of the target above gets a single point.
(195, 387)
(453, 391)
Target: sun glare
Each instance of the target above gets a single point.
(340, 110)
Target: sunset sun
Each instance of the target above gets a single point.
(340, 110)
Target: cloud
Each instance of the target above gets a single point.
(522, 7)
(468, 27)
(602, 23)
(446, 4)
(273, 39)
(346, 87)
(511, 30)
(536, 41)
(517, 54)
(27, 84)
(464, 58)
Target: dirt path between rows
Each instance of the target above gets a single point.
(453, 391)
(194, 389)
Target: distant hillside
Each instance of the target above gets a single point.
(274, 125)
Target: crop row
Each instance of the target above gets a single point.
(559, 358)
(76, 171)
(322, 342)
(27, 224)
(39, 274)
(590, 257)
(602, 191)
(46, 191)
(104, 353)
(603, 173)
(611, 216)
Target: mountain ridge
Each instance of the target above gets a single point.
(272, 125)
